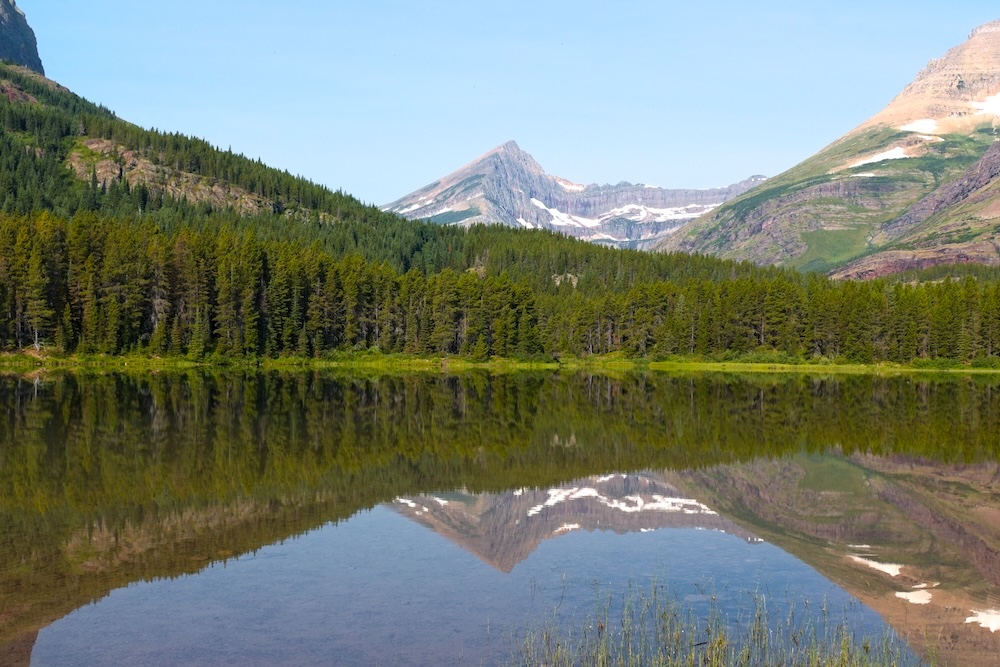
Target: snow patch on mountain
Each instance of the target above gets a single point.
(923, 126)
(561, 219)
(988, 107)
(897, 153)
(569, 186)
(640, 213)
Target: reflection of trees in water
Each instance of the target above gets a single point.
(103, 446)
(113, 478)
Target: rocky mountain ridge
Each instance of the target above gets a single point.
(858, 207)
(17, 39)
(507, 186)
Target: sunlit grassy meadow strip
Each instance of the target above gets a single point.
(375, 361)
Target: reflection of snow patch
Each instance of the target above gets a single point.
(916, 597)
(924, 126)
(891, 569)
(859, 546)
(986, 619)
(867, 174)
(658, 504)
(440, 501)
(409, 503)
(988, 107)
(566, 527)
(897, 153)
(629, 504)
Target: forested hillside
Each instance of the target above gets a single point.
(94, 284)
(164, 246)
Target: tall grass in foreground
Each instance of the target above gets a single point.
(650, 629)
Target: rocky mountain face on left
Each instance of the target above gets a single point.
(17, 39)
(507, 186)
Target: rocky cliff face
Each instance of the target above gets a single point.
(507, 186)
(17, 39)
(881, 193)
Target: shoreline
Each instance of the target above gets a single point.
(31, 364)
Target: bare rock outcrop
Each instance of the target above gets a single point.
(17, 39)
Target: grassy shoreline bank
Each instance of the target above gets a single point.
(32, 363)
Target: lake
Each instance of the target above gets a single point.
(205, 518)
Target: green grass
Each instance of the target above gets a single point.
(825, 475)
(454, 217)
(618, 362)
(650, 628)
(831, 247)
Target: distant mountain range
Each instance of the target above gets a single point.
(17, 39)
(507, 186)
(912, 187)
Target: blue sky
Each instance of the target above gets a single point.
(380, 97)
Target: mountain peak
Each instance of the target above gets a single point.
(17, 39)
(954, 93)
(991, 27)
(509, 146)
(507, 186)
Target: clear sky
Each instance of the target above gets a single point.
(381, 97)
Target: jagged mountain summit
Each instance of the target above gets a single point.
(17, 39)
(912, 187)
(507, 186)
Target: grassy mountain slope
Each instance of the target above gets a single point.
(847, 205)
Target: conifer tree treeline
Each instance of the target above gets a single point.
(95, 284)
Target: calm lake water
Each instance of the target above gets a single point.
(299, 519)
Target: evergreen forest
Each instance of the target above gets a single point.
(116, 265)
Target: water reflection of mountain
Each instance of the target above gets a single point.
(111, 479)
(503, 529)
(917, 541)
